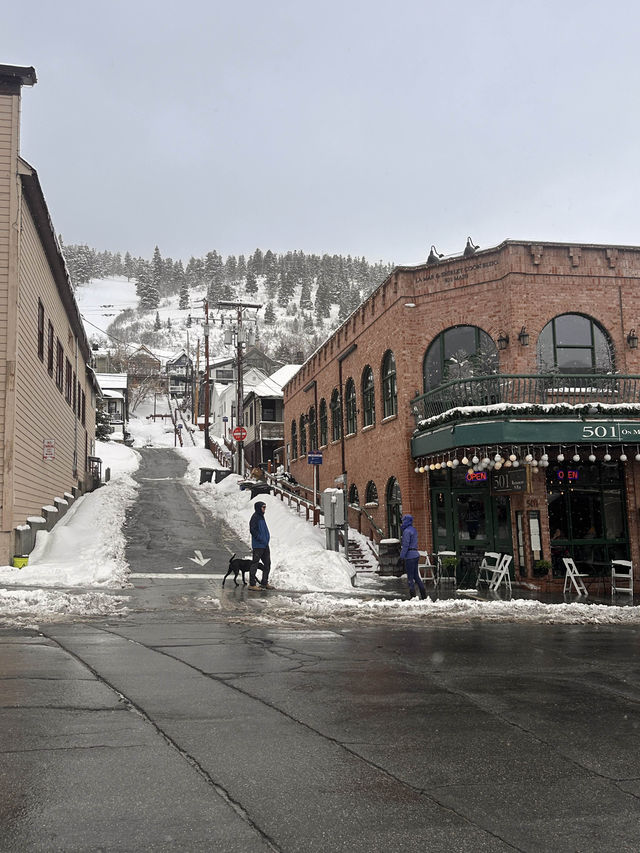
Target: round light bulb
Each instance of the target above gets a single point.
(528, 458)
(592, 457)
(438, 466)
(497, 466)
(475, 460)
(486, 461)
(607, 457)
(545, 457)
(576, 457)
(465, 461)
(560, 457)
(456, 462)
(623, 457)
(507, 463)
(421, 469)
(512, 457)
(449, 463)
(432, 467)
(516, 464)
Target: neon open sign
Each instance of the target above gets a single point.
(476, 477)
(568, 475)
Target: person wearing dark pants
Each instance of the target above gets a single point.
(260, 544)
(409, 553)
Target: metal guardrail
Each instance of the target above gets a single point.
(542, 389)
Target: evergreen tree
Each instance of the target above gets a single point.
(103, 423)
(241, 269)
(181, 283)
(251, 283)
(157, 325)
(128, 266)
(308, 325)
(305, 296)
(269, 314)
(169, 323)
(157, 270)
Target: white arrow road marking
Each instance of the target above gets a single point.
(199, 559)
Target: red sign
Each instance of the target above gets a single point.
(239, 433)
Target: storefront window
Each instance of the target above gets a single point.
(587, 516)
(294, 440)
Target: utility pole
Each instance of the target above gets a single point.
(239, 307)
(206, 378)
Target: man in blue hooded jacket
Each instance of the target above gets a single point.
(260, 544)
(409, 553)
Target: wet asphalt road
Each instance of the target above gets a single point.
(191, 725)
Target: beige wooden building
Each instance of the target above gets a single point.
(47, 389)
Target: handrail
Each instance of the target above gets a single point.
(529, 389)
(363, 511)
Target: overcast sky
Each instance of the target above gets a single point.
(371, 128)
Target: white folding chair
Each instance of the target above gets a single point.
(443, 574)
(621, 577)
(501, 574)
(488, 566)
(426, 567)
(573, 577)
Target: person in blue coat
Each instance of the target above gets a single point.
(260, 544)
(409, 553)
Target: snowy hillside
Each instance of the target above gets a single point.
(160, 304)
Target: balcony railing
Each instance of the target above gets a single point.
(534, 389)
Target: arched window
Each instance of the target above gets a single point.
(294, 440)
(313, 429)
(354, 498)
(368, 398)
(351, 407)
(303, 436)
(459, 353)
(394, 508)
(324, 423)
(336, 415)
(573, 343)
(389, 385)
(371, 495)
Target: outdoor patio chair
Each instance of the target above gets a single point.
(622, 577)
(443, 576)
(489, 565)
(501, 574)
(426, 567)
(573, 577)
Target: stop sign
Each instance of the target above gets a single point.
(239, 433)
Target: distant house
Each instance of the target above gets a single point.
(179, 375)
(225, 400)
(47, 388)
(263, 417)
(115, 393)
(256, 365)
(143, 364)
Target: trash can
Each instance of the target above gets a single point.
(206, 475)
(260, 489)
(388, 555)
(220, 473)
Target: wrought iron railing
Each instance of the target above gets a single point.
(531, 389)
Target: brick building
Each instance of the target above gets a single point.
(495, 396)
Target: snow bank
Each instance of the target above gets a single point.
(300, 561)
(20, 606)
(86, 547)
(328, 608)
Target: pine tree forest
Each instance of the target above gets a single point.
(311, 294)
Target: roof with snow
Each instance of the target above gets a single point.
(112, 381)
(272, 385)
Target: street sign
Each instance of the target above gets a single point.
(239, 433)
(178, 426)
(314, 457)
(225, 418)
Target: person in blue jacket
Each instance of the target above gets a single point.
(260, 544)
(409, 553)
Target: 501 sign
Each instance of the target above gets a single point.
(611, 432)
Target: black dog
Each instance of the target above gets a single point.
(236, 565)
